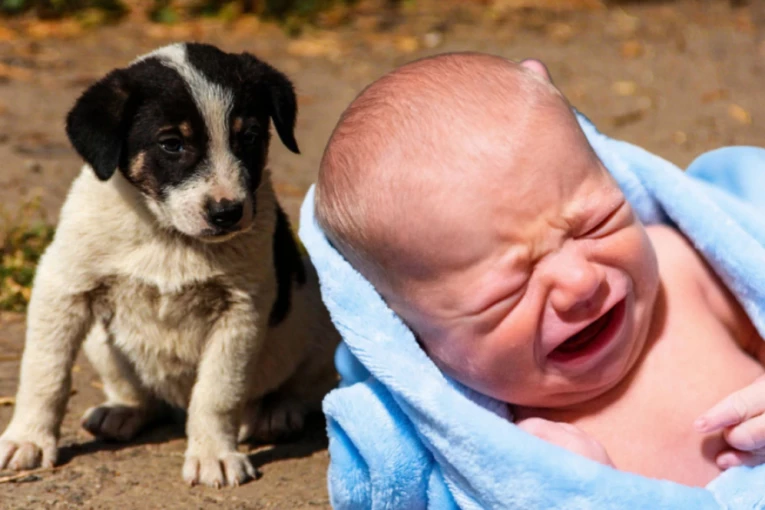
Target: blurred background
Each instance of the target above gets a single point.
(677, 77)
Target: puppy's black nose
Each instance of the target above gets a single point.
(225, 213)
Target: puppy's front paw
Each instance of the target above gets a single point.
(20, 452)
(117, 422)
(228, 468)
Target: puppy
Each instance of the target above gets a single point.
(175, 265)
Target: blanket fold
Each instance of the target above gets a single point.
(405, 436)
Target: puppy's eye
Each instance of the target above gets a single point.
(250, 136)
(171, 144)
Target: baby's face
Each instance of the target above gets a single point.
(542, 292)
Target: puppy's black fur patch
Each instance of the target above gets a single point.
(259, 88)
(289, 267)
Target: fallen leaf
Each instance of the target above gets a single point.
(7, 401)
(14, 73)
(632, 49)
(560, 32)
(501, 6)
(407, 44)
(97, 384)
(313, 47)
(433, 39)
(625, 24)
(247, 25)
(739, 114)
(46, 29)
(627, 118)
(6, 34)
(714, 95)
(679, 137)
(625, 88)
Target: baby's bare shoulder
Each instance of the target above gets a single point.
(686, 274)
(678, 260)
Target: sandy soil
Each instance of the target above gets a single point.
(676, 78)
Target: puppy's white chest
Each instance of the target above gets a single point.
(161, 333)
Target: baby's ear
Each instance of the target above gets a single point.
(537, 67)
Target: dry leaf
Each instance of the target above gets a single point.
(315, 47)
(625, 24)
(6, 34)
(46, 29)
(7, 401)
(625, 88)
(632, 49)
(549, 5)
(14, 73)
(679, 137)
(560, 32)
(627, 118)
(97, 384)
(433, 39)
(714, 95)
(247, 25)
(740, 114)
(407, 44)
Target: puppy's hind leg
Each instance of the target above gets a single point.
(274, 417)
(128, 407)
(280, 415)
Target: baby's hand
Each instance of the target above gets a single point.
(566, 436)
(741, 417)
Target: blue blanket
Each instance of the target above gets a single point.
(404, 436)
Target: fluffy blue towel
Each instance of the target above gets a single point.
(404, 436)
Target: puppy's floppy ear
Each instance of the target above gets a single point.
(282, 100)
(97, 123)
(283, 108)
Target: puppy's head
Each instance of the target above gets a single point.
(188, 125)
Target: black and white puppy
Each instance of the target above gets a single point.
(175, 265)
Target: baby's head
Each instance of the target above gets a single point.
(463, 188)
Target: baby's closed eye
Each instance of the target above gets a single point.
(614, 220)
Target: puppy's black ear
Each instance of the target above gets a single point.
(97, 125)
(283, 107)
(281, 97)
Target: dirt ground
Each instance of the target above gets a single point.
(677, 78)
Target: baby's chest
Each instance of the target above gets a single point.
(693, 364)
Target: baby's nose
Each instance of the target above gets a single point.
(575, 284)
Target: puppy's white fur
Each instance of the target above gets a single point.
(166, 318)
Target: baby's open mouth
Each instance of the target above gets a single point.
(590, 339)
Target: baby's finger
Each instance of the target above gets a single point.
(734, 409)
(748, 436)
(733, 458)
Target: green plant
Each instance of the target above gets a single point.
(25, 235)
